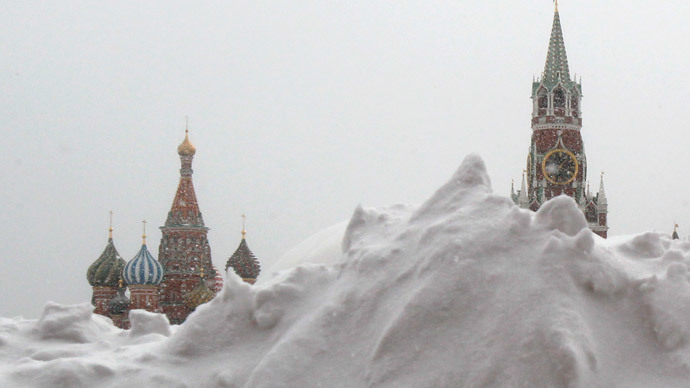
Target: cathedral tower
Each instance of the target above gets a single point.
(556, 161)
(184, 247)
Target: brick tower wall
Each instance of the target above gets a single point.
(101, 298)
(145, 297)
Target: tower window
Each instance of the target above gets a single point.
(559, 98)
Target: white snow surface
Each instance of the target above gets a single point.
(323, 247)
(466, 290)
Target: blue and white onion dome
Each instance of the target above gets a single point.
(143, 269)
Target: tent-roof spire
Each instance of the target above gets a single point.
(556, 68)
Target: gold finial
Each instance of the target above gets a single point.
(244, 231)
(120, 282)
(186, 148)
(110, 229)
(186, 125)
(556, 5)
(675, 228)
(201, 272)
(143, 236)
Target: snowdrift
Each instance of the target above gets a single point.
(466, 290)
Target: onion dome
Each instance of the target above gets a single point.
(243, 261)
(186, 148)
(217, 281)
(106, 271)
(143, 269)
(120, 303)
(200, 294)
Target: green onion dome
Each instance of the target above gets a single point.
(243, 261)
(105, 272)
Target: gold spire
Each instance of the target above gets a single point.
(675, 228)
(186, 148)
(556, 5)
(110, 229)
(143, 236)
(244, 231)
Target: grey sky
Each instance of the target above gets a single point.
(300, 110)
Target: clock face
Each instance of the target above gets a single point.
(560, 166)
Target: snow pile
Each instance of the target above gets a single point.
(466, 290)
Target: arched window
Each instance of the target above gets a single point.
(575, 105)
(559, 98)
(542, 100)
(591, 213)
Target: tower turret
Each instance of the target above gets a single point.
(522, 199)
(118, 307)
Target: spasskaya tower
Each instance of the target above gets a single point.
(556, 161)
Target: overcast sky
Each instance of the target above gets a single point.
(300, 110)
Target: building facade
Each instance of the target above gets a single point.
(556, 160)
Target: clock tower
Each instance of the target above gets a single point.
(556, 161)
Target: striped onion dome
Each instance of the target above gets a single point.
(105, 272)
(143, 269)
(217, 281)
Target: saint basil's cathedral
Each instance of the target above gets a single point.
(556, 161)
(182, 278)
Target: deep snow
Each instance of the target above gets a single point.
(466, 290)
